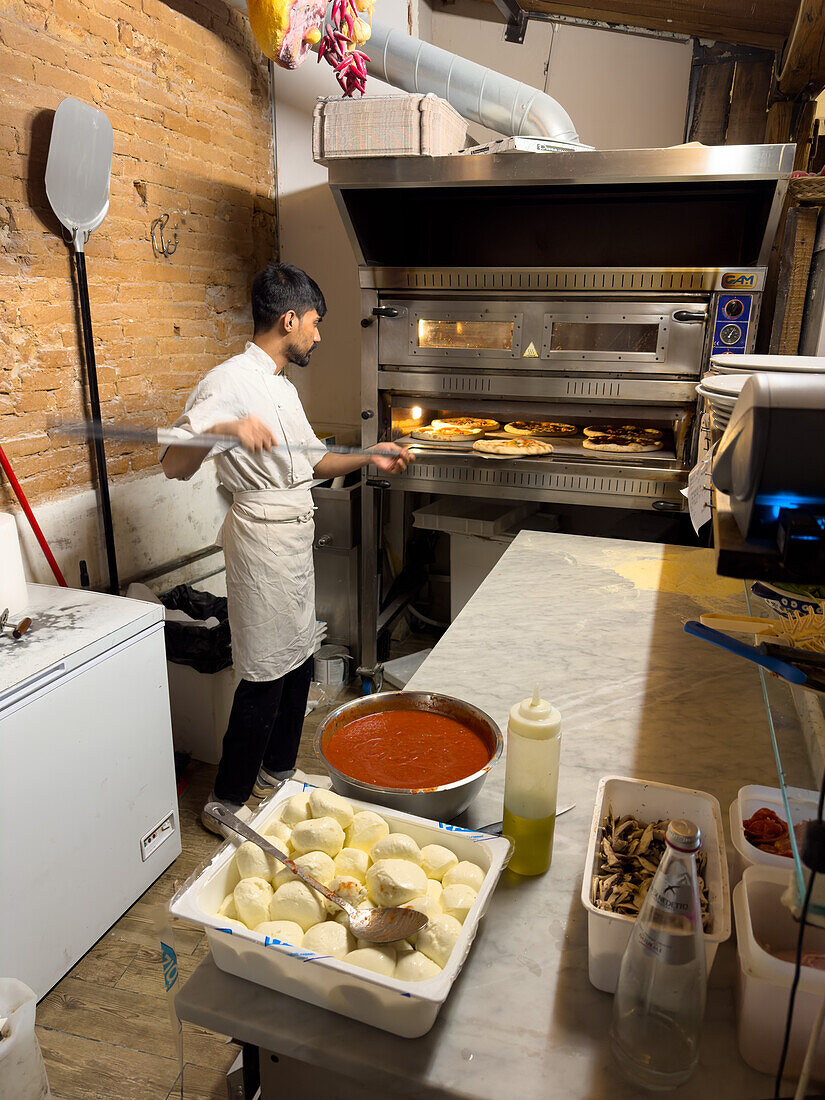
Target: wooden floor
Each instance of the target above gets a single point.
(104, 1029)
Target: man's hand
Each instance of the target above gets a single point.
(390, 458)
(251, 433)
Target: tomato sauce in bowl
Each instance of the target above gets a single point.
(407, 749)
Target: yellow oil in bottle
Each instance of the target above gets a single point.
(532, 840)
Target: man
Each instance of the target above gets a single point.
(268, 533)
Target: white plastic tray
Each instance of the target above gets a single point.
(608, 933)
(408, 1009)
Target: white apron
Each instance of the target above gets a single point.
(267, 538)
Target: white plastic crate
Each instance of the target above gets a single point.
(752, 798)
(386, 126)
(608, 933)
(764, 982)
(408, 1009)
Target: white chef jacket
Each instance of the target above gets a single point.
(268, 533)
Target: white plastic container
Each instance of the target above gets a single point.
(752, 798)
(200, 703)
(764, 982)
(408, 1009)
(608, 933)
(22, 1072)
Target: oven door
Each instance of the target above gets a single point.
(556, 336)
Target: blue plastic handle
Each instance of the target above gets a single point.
(749, 652)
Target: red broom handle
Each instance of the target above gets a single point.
(35, 526)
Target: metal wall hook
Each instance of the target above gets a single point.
(160, 246)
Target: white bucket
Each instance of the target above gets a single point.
(22, 1072)
(330, 666)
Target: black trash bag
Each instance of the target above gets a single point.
(202, 648)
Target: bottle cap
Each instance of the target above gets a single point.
(684, 836)
(535, 717)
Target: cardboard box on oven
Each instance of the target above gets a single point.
(386, 126)
(404, 1008)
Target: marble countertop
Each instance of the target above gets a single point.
(69, 626)
(598, 624)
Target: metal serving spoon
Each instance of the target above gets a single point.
(374, 925)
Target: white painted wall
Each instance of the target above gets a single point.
(622, 91)
(155, 521)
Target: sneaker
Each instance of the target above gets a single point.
(267, 782)
(239, 810)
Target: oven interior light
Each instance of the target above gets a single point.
(417, 412)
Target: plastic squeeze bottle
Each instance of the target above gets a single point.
(660, 994)
(531, 782)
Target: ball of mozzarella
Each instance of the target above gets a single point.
(434, 890)
(425, 904)
(252, 898)
(330, 804)
(254, 863)
(394, 881)
(280, 834)
(437, 860)
(352, 862)
(287, 931)
(396, 846)
(296, 902)
(456, 900)
(329, 938)
(437, 940)
(369, 958)
(296, 809)
(319, 834)
(367, 829)
(342, 917)
(317, 864)
(227, 907)
(350, 889)
(233, 925)
(464, 874)
(416, 967)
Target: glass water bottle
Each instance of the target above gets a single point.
(660, 995)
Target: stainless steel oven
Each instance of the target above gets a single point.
(583, 286)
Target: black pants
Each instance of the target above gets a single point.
(264, 729)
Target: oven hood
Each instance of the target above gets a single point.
(690, 208)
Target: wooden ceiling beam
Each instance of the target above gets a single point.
(764, 23)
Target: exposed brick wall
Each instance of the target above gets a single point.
(186, 90)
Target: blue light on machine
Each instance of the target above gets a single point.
(775, 502)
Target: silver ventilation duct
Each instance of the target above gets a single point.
(477, 93)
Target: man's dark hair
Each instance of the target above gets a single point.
(280, 288)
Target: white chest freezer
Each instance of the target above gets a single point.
(88, 802)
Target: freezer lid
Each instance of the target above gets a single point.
(69, 627)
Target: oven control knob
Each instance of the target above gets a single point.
(734, 308)
(367, 414)
(730, 334)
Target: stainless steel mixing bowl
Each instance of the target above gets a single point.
(439, 803)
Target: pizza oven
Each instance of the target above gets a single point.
(576, 286)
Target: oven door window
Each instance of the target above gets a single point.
(460, 335)
(580, 336)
